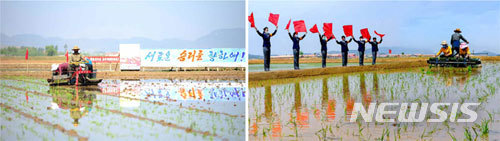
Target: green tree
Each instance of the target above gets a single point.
(21, 51)
(50, 50)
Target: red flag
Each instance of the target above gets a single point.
(390, 51)
(329, 35)
(347, 30)
(288, 25)
(327, 28)
(27, 98)
(273, 18)
(26, 56)
(67, 56)
(365, 33)
(381, 35)
(300, 26)
(314, 29)
(250, 19)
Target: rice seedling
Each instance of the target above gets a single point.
(360, 127)
(321, 134)
(451, 136)
(483, 127)
(384, 135)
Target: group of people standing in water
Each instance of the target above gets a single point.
(266, 37)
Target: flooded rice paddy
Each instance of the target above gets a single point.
(319, 108)
(156, 109)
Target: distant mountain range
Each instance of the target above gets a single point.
(224, 38)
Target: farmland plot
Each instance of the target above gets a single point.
(152, 109)
(320, 107)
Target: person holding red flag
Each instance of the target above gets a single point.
(374, 44)
(345, 49)
(323, 40)
(296, 47)
(361, 49)
(266, 45)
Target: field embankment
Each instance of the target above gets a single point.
(39, 66)
(388, 63)
(367, 60)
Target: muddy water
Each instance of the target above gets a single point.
(156, 109)
(319, 108)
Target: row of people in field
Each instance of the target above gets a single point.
(266, 37)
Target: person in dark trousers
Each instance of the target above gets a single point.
(266, 45)
(374, 44)
(344, 49)
(323, 40)
(455, 41)
(361, 49)
(296, 48)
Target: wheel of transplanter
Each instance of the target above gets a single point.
(81, 79)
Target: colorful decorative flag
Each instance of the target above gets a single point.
(250, 19)
(347, 30)
(327, 28)
(381, 35)
(390, 51)
(26, 56)
(365, 33)
(273, 18)
(300, 26)
(288, 25)
(314, 29)
(67, 56)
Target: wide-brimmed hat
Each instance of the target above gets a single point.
(457, 30)
(463, 45)
(76, 48)
(443, 43)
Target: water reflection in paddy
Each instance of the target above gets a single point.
(320, 107)
(123, 109)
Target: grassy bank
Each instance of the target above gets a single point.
(356, 60)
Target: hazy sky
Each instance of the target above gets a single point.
(157, 20)
(415, 25)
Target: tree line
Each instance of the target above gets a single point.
(49, 50)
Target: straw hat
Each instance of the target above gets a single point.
(76, 48)
(443, 43)
(457, 30)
